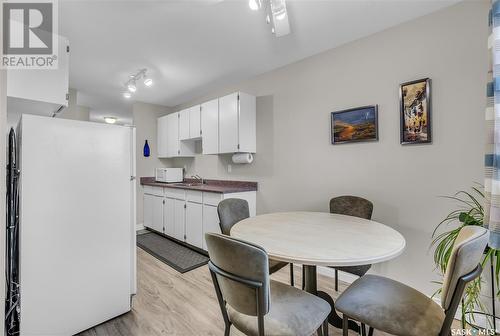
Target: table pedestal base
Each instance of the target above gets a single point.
(311, 286)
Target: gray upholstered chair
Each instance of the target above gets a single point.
(397, 309)
(351, 206)
(253, 303)
(357, 207)
(233, 210)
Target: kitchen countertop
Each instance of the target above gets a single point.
(217, 186)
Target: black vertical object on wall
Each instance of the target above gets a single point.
(12, 311)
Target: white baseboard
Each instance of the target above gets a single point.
(139, 227)
(330, 272)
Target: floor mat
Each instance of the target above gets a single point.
(177, 256)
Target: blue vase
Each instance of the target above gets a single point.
(146, 149)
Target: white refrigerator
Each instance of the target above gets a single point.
(77, 224)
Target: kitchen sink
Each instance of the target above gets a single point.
(187, 184)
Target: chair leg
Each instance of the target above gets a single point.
(363, 329)
(325, 327)
(336, 280)
(292, 281)
(345, 325)
(370, 331)
(303, 278)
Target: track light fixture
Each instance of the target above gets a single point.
(131, 86)
(148, 81)
(110, 120)
(276, 15)
(254, 4)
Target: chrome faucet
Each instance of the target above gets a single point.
(198, 178)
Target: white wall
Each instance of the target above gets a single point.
(144, 119)
(17, 107)
(298, 169)
(74, 111)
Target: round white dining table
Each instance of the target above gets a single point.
(321, 239)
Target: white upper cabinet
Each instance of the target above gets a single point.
(228, 124)
(225, 125)
(210, 127)
(184, 124)
(162, 131)
(190, 123)
(195, 122)
(173, 135)
(175, 147)
(49, 86)
(237, 123)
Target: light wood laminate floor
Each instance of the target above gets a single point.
(170, 303)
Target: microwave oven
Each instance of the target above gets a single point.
(169, 175)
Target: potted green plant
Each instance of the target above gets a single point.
(469, 211)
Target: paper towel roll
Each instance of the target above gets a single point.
(243, 158)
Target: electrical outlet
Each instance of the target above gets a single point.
(229, 168)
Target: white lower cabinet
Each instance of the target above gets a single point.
(157, 224)
(180, 220)
(187, 215)
(210, 221)
(153, 212)
(194, 224)
(148, 210)
(168, 216)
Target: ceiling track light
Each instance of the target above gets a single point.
(110, 120)
(254, 4)
(278, 9)
(131, 84)
(276, 15)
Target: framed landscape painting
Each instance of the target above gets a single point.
(355, 125)
(415, 112)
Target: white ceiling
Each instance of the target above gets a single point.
(191, 47)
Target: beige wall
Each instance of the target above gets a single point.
(298, 169)
(144, 119)
(74, 111)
